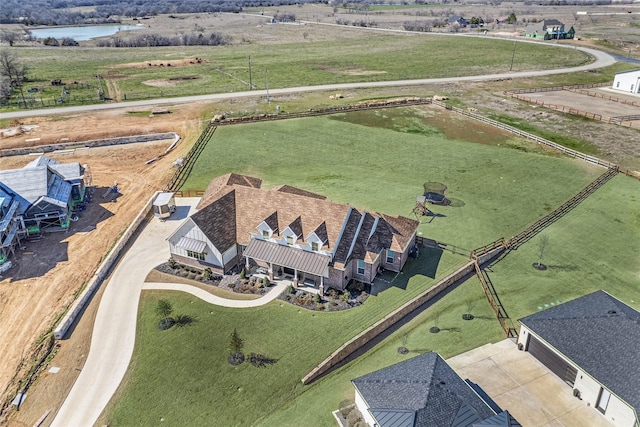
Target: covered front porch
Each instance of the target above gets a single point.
(279, 262)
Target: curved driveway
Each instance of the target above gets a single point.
(113, 336)
(602, 59)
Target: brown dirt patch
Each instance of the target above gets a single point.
(362, 72)
(48, 273)
(161, 83)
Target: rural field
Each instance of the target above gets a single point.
(130, 74)
(378, 160)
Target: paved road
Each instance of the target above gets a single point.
(602, 59)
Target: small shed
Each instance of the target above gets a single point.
(164, 205)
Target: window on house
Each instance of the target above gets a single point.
(603, 400)
(618, 84)
(196, 255)
(390, 256)
(360, 266)
(289, 240)
(315, 247)
(265, 234)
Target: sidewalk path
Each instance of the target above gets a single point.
(273, 293)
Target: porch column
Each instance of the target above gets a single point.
(271, 271)
(321, 287)
(295, 277)
(246, 264)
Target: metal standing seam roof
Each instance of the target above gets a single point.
(287, 256)
(394, 417)
(189, 244)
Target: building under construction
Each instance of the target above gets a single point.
(41, 195)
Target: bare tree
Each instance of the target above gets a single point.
(12, 69)
(10, 37)
(543, 245)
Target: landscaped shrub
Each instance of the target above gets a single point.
(353, 418)
(191, 276)
(166, 323)
(243, 274)
(345, 407)
(184, 320)
(317, 298)
(172, 263)
(291, 289)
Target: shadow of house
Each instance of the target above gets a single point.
(37, 253)
(426, 264)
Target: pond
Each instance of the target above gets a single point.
(83, 33)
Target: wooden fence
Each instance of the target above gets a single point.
(184, 170)
(489, 290)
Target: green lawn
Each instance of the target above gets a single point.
(182, 374)
(379, 160)
(595, 246)
(372, 57)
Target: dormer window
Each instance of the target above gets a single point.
(314, 246)
(289, 240)
(265, 234)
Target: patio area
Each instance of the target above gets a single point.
(518, 383)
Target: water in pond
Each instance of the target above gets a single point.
(82, 33)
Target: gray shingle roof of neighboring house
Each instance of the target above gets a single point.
(601, 335)
(426, 385)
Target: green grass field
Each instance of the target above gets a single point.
(372, 57)
(498, 184)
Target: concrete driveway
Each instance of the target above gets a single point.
(520, 384)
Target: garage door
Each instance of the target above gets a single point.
(552, 361)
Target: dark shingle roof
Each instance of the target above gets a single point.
(218, 221)
(427, 385)
(601, 335)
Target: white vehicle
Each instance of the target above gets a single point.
(164, 205)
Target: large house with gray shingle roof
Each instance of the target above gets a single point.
(423, 392)
(593, 344)
(290, 232)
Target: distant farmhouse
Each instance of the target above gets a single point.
(290, 232)
(549, 29)
(40, 195)
(424, 391)
(593, 344)
(627, 81)
(458, 20)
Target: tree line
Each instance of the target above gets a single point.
(153, 40)
(56, 12)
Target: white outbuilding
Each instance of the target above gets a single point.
(627, 81)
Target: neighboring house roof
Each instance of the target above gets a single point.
(552, 23)
(287, 256)
(601, 335)
(503, 419)
(41, 180)
(457, 18)
(427, 386)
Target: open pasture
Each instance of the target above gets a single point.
(379, 160)
(138, 73)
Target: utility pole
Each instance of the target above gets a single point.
(266, 71)
(250, 84)
(513, 55)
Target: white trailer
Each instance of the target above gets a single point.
(164, 205)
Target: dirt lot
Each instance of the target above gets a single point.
(48, 273)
